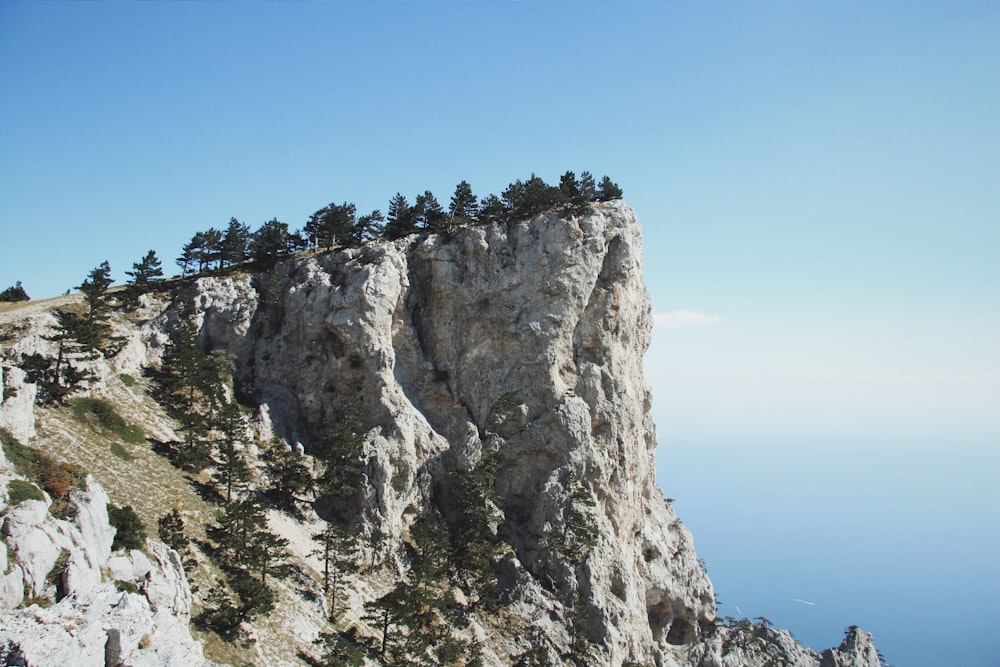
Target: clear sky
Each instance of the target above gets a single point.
(818, 184)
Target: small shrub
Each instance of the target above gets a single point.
(125, 586)
(20, 455)
(127, 380)
(118, 450)
(42, 601)
(9, 392)
(130, 532)
(107, 418)
(56, 478)
(18, 491)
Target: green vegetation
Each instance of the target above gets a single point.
(19, 490)
(338, 549)
(53, 477)
(119, 450)
(340, 226)
(101, 414)
(79, 337)
(15, 293)
(130, 532)
(144, 277)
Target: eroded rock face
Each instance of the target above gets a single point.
(519, 344)
(17, 400)
(522, 341)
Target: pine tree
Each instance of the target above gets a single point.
(130, 533)
(491, 209)
(15, 293)
(272, 241)
(235, 532)
(235, 243)
(338, 549)
(232, 471)
(289, 476)
(572, 190)
(97, 320)
(171, 530)
(607, 190)
(370, 226)
(340, 649)
(400, 220)
(268, 553)
(588, 190)
(143, 276)
(464, 205)
(429, 214)
(57, 377)
(340, 449)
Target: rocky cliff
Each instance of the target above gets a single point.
(519, 344)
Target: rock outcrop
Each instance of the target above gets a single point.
(517, 343)
(59, 607)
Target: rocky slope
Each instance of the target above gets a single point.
(520, 343)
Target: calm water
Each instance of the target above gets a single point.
(902, 539)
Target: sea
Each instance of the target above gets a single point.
(901, 538)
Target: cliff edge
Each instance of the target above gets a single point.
(508, 352)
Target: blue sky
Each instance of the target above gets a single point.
(818, 184)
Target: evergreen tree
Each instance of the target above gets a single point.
(491, 209)
(221, 614)
(577, 532)
(289, 476)
(588, 190)
(96, 323)
(232, 471)
(464, 205)
(370, 226)
(130, 533)
(235, 243)
(213, 239)
(171, 530)
(340, 649)
(15, 293)
(573, 193)
(236, 532)
(607, 190)
(401, 219)
(268, 552)
(475, 501)
(194, 254)
(388, 613)
(59, 376)
(428, 213)
(143, 276)
(342, 221)
(340, 449)
(338, 549)
(313, 230)
(272, 241)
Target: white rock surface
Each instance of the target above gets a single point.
(17, 413)
(91, 622)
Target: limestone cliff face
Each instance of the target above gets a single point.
(524, 340)
(520, 342)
